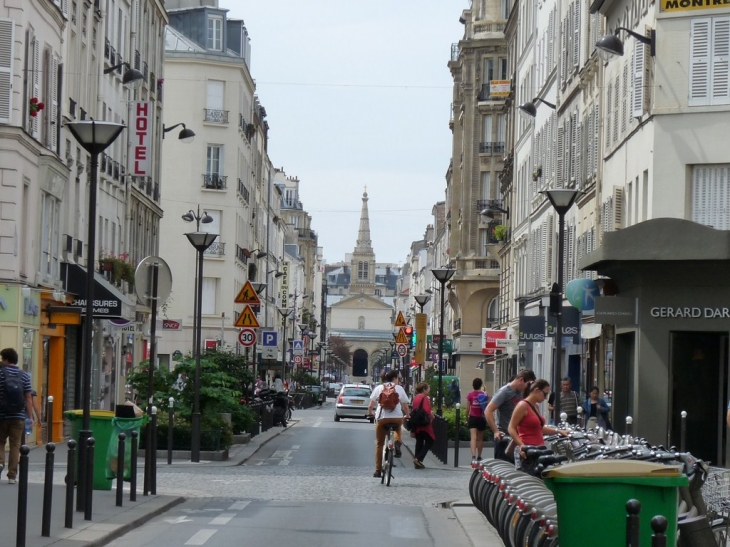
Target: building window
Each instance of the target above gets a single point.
(214, 159)
(215, 33)
(361, 323)
(362, 271)
(210, 286)
(49, 237)
(711, 195)
(708, 59)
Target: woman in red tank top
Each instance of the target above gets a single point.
(527, 425)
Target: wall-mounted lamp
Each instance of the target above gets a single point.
(610, 47)
(277, 274)
(131, 78)
(491, 209)
(530, 108)
(259, 253)
(186, 135)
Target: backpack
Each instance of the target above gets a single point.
(12, 398)
(388, 398)
(483, 400)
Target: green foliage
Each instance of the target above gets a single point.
(500, 232)
(120, 270)
(304, 378)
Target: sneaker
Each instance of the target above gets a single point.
(418, 465)
(474, 462)
(397, 450)
(11, 481)
(377, 474)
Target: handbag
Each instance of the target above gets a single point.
(419, 417)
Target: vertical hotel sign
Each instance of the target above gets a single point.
(285, 285)
(140, 142)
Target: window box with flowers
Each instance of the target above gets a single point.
(35, 106)
(118, 269)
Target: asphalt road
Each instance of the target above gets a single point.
(311, 485)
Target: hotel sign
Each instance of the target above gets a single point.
(140, 142)
(673, 6)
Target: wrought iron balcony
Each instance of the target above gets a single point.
(216, 116)
(243, 191)
(215, 182)
(145, 71)
(137, 59)
(241, 254)
(153, 81)
(457, 324)
(112, 56)
(72, 107)
(486, 94)
(216, 249)
(491, 147)
(107, 48)
(156, 192)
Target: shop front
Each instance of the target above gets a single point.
(666, 331)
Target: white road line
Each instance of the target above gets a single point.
(200, 537)
(239, 505)
(284, 462)
(222, 519)
(317, 424)
(295, 447)
(281, 454)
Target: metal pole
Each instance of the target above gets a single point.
(633, 507)
(70, 470)
(48, 491)
(558, 361)
(49, 419)
(441, 352)
(133, 468)
(659, 526)
(683, 441)
(85, 432)
(458, 430)
(150, 458)
(120, 470)
(170, 427)
(90, 442)
(153, 454)
(195, 441)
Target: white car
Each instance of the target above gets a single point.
(353, 401)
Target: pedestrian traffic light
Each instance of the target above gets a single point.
(411, 334)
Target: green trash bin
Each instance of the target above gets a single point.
(126, 426)
(100, 423)
(591, 499)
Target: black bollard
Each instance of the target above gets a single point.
(458, 431)
(133, 468)
(22, 497)
(49, 419)
(48, 491)
(70, 471)
(120, 470)
(153, 454)
(170, 418)
(633, 508)
(659, 526)
(90, 442)
(683, 434)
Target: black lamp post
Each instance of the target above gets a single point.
(258, 287)
(562, 199)
(94, 137)
(422, 300)
(442, 275)
(201, 241)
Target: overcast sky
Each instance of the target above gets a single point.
(357, 93)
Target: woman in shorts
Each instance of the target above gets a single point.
(477, 422)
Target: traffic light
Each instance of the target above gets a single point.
(411, 334)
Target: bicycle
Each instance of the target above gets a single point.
(386, 472)
(716, 495)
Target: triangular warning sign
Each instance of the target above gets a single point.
(401, 338)
(247, 319)
(400, 321)
(247, 295)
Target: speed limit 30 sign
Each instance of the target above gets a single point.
(247, 337)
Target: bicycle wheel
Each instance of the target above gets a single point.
(384, 464)
(390, 466)
(720, 532)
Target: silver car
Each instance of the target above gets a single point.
(353, 401)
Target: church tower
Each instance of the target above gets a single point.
(362, 277)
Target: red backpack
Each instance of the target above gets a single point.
(388, 398)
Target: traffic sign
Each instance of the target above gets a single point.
(402, 338)
(402, 350)
(247, 337)
(247, 319)
(269, 338)
(298, 347)
(298, 359)
(247, 295)
(400, 321)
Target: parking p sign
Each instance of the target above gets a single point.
(269, 339)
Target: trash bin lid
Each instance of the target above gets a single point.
(73, 414)
(613, 468)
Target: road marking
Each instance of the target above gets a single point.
(295, 447)
(284, 462)
(200, 537)
(318, 423)
(178, 520)
(281, 454)
(239, 505)
(222, 519)
(199, 510)
(228, 481)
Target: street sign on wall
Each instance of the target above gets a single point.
(421, 326)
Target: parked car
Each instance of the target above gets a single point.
(353, 401)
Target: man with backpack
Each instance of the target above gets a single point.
(15, 405)
(392, 408)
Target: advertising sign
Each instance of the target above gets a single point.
(615, 310)
(499, 88)
(489, 340)
(421, 327)
(532, 328)
(675, 6)
(570, 325)
(284, 293)
(141, 130)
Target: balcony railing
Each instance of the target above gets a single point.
(137, 59)
(457, 324)
(243, 191)
(160, 81)
(486, 94)
(215, 182)
(72, 107)
(112, 56)
(115, 171)
(107, 48)
(216, 249)
(240, 255)
(156, 192)
(153, 81)
(216, 116)
(491, 148)
(303, 232)
(148, 187)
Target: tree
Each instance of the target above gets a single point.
(340, 348)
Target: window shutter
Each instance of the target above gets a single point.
(559, 156)
(36, 81)
(720, 60)
(543, 253)
(576, 34)
(710, 196)
(579, 178)
(53, 131)
(551, 45)
(7, 40)
(637, 97)
(625, 99)
(548, 264)
(609, 105)
(618, 207)
(596, 158)
(616, 107)
(568, 155)
(699, 76)
(570, 255)
(64, 8)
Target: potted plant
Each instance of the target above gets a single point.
(119, 268)
(537, 173)
(500, 232)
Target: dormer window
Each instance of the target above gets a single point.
(215, 33)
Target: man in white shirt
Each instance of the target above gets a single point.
(385, 417)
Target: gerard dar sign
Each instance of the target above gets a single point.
(689, 313)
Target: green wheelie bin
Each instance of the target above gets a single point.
(100, 423)
(591, 500)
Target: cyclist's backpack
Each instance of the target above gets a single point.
(388, 398)
(12, 398)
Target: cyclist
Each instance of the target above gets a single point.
(385, 417)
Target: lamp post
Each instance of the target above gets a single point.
(94, 137)
(442, 275)
(258, 287)
(422, 300)
(201, 241)
(562, 199)
(285, 313)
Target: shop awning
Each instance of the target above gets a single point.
(109, 301)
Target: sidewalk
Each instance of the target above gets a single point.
(108, 521)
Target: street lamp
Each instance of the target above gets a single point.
(610, 46)
(132, 77)
(562, 199)
(94, 137)
(277, 275)
(442, 275)
(285, 313)
(530, 107)
(186, 135)
(491, 208)
(422, 300)
(201, 241)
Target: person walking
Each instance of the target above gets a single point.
(569, 402)
(15, 405)
(455, 392)
(424, 434)
(595, 410)
(389, 412)
(477, 421)
(504, 402)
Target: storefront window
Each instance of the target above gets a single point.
(27, 357)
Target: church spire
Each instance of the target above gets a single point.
(363, 258)
(364, 244)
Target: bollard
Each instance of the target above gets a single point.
(153, 454)
(683, 434)
(90, 442)
(133, 468)
(633, 508)
(458, 431)
(48, 491)
(120, 469)
(629, 424)
(49, 419)
(70, 470)
(170, 417)
(22, 497)
(563, 419)
(659, 526)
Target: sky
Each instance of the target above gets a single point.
(357, 94)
